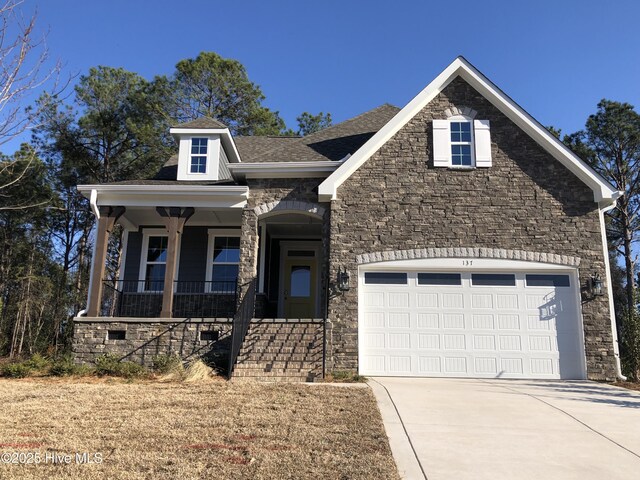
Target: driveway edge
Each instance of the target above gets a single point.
(406, 461)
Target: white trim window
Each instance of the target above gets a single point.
(461, 142)
(153, 262)
(198, 158)
(223, 261)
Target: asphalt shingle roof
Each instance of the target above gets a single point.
(332, 143)
(202, 122)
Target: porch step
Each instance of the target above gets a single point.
(280, 352)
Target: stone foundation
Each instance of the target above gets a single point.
(148, 338)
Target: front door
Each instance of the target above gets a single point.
(300, 287)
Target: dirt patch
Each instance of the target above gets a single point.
(628, 385)
(171, 430)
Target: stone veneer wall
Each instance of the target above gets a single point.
(147, 339)
(527, 201)
(269, 192)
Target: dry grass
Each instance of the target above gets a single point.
(214, 429)
(628, 385)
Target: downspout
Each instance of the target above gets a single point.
(614, 330)
(93, 201)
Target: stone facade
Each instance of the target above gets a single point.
(145, 339)
(527, 201)
(268, 197)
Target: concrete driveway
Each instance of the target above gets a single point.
(459, 429)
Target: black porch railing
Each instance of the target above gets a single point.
(143, 298)
(204, 299)
(241, 322)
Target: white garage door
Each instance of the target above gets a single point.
(513, 324)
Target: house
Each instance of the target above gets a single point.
(453, 237)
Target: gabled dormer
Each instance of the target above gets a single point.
(205, 147)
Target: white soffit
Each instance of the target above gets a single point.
(603, 193)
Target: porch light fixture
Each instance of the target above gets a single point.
(343, 280)
(596, 286)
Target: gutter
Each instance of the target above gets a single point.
(614, 331)
(284, 169)
(93, 201)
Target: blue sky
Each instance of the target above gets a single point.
(557, 59)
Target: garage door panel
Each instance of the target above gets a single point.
(429, 365)
(428, 320)
(486, 365)
(427, 300)
(508, 322)
(483, 321)
(465, 330)
(511, 343)
(484, 342)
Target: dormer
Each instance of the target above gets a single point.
(205, 147)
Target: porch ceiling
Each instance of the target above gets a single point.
(135, 217)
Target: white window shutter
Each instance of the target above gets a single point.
(441, 143)
(482, 137)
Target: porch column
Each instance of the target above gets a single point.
(248, 251)
(106, 222)
(174, 219)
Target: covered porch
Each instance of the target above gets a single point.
(197, 258)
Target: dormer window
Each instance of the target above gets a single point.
(205, 148)
(198, 162)
(460, 141)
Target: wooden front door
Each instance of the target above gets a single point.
(300, 276)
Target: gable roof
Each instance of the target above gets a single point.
(202, 122)
(332, 143)
(604, 194)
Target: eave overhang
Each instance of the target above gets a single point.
(321, 169)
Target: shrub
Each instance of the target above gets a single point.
(64, 366)
(346, 377)
(109, 364)
(167, 364)
(16, 370)
(38, 362)
(630, 345)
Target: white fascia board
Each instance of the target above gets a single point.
(230, 147)
(603, 193)
(198, 131)
(170, 189)
(284, 169)
(223, 196)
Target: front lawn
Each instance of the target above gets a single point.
(208, 430)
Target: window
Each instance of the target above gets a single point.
(385, 278)
(224, 260)
(439, 279)
(155, 263)
(461, 146)
(547, 280)
(493, 280)
(198, 155)
(461, 142)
